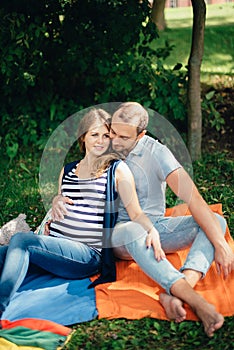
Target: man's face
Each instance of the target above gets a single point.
(124, 136)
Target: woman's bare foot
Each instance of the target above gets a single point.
(173, 307)
(210, 318)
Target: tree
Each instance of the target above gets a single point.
(194, 89)
(194, 66)
(60, 56)
(158, 15)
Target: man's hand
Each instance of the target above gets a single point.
(58, 207)
(47, 228)
(153, 240)
(224, 259)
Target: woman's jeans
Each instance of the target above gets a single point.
(176, 233)
(60, 256)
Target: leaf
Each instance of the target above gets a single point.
(23, 166)
(12, 150)
(157, 326)
(210, 95)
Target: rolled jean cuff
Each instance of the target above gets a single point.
(168, 287)
(194, 267)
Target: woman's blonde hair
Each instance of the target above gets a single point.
(96, 116)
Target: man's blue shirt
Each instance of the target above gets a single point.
(151, 163)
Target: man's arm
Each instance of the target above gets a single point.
(59, 201)
(183, 186)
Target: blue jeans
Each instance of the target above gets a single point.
(176, 233)
(60, 256)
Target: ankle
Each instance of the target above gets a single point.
(192, 277)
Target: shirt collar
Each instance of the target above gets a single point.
(138, 149)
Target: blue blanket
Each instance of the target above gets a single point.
(48, 297)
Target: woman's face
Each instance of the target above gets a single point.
(97, 139)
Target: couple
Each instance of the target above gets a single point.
(97, 207)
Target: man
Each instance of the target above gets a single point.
(153, 166)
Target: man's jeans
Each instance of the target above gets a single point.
(176, 233)
(60, 256)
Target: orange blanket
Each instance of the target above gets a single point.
(134, 295)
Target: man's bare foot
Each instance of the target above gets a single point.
(173, 307)
(210, 318)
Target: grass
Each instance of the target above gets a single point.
(218, 43)
(213, 176)
(148, 334)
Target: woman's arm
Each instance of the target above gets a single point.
(127, 191)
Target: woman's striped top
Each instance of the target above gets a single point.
(84, 222)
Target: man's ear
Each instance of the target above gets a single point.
(139, 136)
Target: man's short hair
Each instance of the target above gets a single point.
(133, 113)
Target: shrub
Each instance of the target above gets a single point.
(62, 55)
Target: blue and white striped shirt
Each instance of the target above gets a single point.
(84, 222)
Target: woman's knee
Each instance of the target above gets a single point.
(22, 239)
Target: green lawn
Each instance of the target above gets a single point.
(218, 45)
(214, 178)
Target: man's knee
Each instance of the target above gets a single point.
(125, 233)
(122, 253)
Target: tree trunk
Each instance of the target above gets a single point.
(194, 88)
(158, 16)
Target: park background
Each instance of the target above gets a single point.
(58, 58)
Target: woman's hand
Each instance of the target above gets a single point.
(153, 240)
(58, 207)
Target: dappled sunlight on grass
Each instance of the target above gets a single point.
(215, 21)
(174, 17)
(219, 60)
(179, 23)
(218, 41)
(215, 15)
(218, 80)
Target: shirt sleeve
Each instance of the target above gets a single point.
(166, 162)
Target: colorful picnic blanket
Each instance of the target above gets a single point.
(48, 300)
(33, 334)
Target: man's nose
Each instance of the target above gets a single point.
(115, 140)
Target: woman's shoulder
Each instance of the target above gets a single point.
(69, 166)
(122, 168)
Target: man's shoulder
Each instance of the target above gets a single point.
(149, 143)
(152, 148)
(147, 147)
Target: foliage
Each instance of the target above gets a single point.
(60, 56)
(214, 178)
(148, 334)
(19, 191)
(210, 113)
